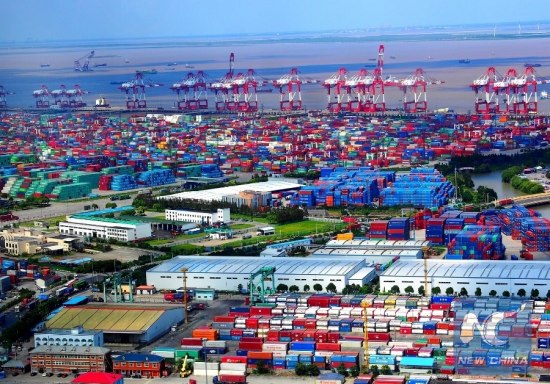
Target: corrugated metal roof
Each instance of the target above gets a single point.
(481, 269)
(248, 265)
(219, 193)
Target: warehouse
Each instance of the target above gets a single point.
(254, 194)
(222, 215)
(105, 228)
(227, 273)
(372, 251)
(488, 275)
(120, 323)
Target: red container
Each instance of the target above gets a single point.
(232, 378)
(260, 311)
(252, 339)
(224, 319)
(251, 346)
(333, 337)
(260, 355)
(272, 335)
(327, 347)
(321, 336)
(191, 341)
(311, 324)
(379, 336)
(234, 359)
(236, 332)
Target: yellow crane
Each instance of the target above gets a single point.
(184, 372)
(366, 305)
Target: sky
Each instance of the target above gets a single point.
(52, 20)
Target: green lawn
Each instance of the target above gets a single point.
(235, 216)
(51, 221)
(240, 226)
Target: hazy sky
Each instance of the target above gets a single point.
(44, 20)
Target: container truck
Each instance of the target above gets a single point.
(8, 217)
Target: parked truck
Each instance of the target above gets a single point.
(8, 217)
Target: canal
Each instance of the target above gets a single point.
(493, 180)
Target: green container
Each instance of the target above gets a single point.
(191, 353)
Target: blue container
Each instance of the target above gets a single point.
(302, 346)
(241, 352)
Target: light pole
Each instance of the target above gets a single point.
(184, 271)
(366, 305)
(204, 339)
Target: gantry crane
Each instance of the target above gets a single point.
(334, 86)
(86, 66)
(3, 94)
(486, 100)
(191, 92)
(290, 90)
(265, 274)
(135, 91)
(43, 97)
(416, 84)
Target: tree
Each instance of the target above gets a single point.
(421, 290)
(463, 292)
(409, 290)
(240, 288)
(548, 294)
(342, 370)
(522, 293)
(312, 370)
(300, 369)
(394, 289)
(505, 293)
(110, 205)
(354, 371)
(449, 291)
(95, 206)
(307, 288)
(294, 288)
(374, 370)
(261, 368)
(140, 210)
(317, 287)
(282, 288)
(331, 288)
(478, 292)
(492, 293)
(436, 291)
(385, 370)
(534, 293)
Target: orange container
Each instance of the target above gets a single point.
(209, 334)
(260, 355)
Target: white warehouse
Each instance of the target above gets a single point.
(105, 228)
(488, 275)
(222, 215)
(226, 273)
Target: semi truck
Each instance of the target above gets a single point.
(229, 379)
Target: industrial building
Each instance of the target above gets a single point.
(18, 241)
(227, 273)
(105, 228)
(120, 323)
(373, 251)
(64, 359)
(488, 275)
(139, 364)
(69, 337)
(252, 195)
(222, 215)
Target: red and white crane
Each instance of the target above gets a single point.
(135, 91)
(244, 91)
(334, 86)
(503, 87)
(524, 90)
(75, 97)
(416, 84)
(60, 96)
(191, 92)
(3, 94)
(43, 97)
(290, 90)
(223, 88)
(487, 97)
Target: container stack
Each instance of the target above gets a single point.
(420, 218)
(477, 242)
(123, 183)
(535, 234)
(452, 227)
(435, 230)
(156, 177)
(399, 228)
(378, 229)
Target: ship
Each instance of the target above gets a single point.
(101, 102)
(171, 64)
(464, 61)
(264, 90)
(531, 65)
(189, 66)
(100, 65)
(149, 72)
(44, 65)
(117, 82)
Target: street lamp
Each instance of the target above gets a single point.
(184, 271)
(366, 305)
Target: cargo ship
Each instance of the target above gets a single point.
(100, 65)
(44, 65)
(149, 72)
(464, 61)
(531, 65)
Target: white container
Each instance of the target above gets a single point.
(233, 367)
(269, 347)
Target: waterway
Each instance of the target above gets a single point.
(493, 180)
